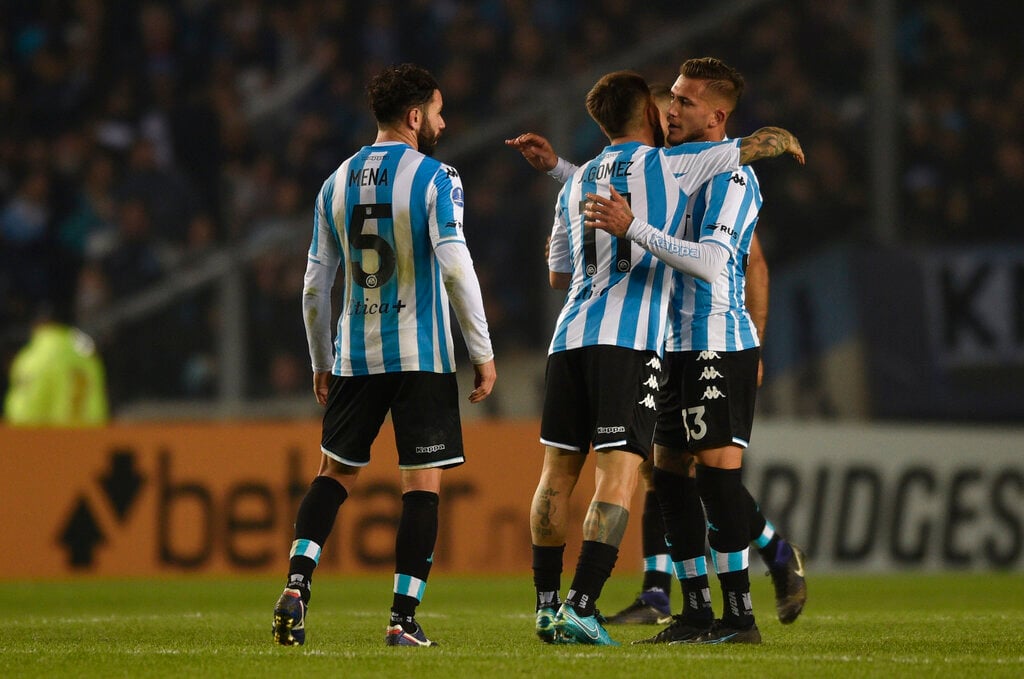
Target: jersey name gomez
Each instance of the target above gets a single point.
(619, 293)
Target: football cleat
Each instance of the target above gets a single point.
(571, 628)
(290, 619)
(545, 627)
(397, 635)
(679, 632)
(650, 608)
(722, 632)
(787, 573)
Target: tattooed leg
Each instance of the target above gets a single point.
(549, 514)
(605, 523)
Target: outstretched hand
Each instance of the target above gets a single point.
(536, 149)
(611, 214)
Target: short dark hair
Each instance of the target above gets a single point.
(661, 91)
(397, 89)
(615, 101)
(722, 78)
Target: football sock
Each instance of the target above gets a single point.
(547, 575)
(697, 599)
(657, 564)
(313, 524)
(683, 515)
(721, 490)
(597, 559)
(414, 550)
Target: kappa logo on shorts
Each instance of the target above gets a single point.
(655, 363)
(712, 392)
(708, 356)
(652, 382)
(648, 401)
(710, 373)
(426, 450)
(618, 429)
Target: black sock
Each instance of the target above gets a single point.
(547, 575)
(414, 549)
(682, 513)
(653, 543)
(697, 607)
(595, 565)
(722, 490)
(403, 609)
(313, 523)
(737, 608)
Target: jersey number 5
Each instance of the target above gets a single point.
(362, 213)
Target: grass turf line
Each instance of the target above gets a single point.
(908, 625)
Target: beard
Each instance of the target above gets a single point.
(426, 139)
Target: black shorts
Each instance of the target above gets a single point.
(601, 395)
(707, 399)
(424, 410)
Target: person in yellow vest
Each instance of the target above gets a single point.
(57, 379)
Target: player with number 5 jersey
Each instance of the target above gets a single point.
(381, 216)
(390, 218)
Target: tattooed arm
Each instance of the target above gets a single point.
(769, 142)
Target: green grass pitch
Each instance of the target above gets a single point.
(907, 625)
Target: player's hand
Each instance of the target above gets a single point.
(321, 385)
(483, 382)
(796, 150)
(536, 149)
(770, 142)
(610, 214)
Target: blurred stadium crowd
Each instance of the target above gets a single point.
(137, 138)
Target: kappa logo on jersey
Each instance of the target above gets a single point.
(454, 226)
(648, 401)
(708, 356)
(656, 363)
(710, 373)
(652, 382)
(737, 178)
(458, 197)
(451, 171)
(712, 393)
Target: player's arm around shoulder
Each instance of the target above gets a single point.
(770, 142)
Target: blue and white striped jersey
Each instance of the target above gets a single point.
(619, 293)
(380, 216)
(713, 316)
